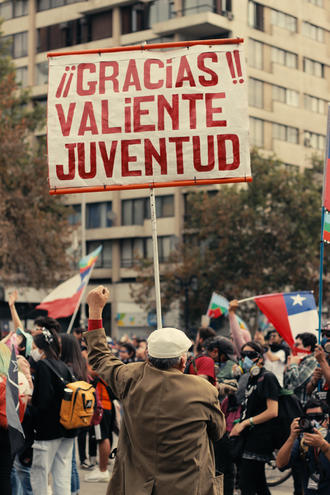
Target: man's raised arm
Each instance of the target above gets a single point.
(102, 360)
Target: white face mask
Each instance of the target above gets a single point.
(36, 354)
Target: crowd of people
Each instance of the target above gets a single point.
(168, 398)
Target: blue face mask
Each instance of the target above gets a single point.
(247, 363)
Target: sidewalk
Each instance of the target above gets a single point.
(91, 488)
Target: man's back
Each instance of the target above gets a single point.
(169, 420)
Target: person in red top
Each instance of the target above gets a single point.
(203, 365)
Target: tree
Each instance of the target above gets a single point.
(246, 240)
(34, 232)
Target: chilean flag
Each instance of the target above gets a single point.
(62, 301)
(291, 313)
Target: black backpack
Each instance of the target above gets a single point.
(289, 408)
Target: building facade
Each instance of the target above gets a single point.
(288, 57)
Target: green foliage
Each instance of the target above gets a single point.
(34, 232)
(251, 239)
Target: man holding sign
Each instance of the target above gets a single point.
(170, 419)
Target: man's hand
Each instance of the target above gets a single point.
(233, 305)
(319, 354)
(12, 298)
(96, 300)
(294, 428)
(314, 439)
(317, 375)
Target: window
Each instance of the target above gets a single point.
(7, 10)
(191, 7)
(132, 211)
(42, 73)
(314, 104)
(285, 95)
(74, 217)
(22, 75)
(73, 32)
(313, 68)
(256, 15)
(314, 32)
(98, 215)
(256, 93)
(21, 7)
(130, 249)
(285, 133)
(13, 8)
(282, 57)
(256, 54)
(135, 17)
(135, 211)
(164, 206)
(51, 4)
(160, 11)
(313, 140)
(18, 44)
(283, 20)
(318, 3)
(256, 132)
(104, 259)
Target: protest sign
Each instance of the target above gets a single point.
(139, 117)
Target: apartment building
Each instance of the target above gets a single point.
(287, 52)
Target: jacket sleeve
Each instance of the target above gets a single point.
(216, 425)
(113, 371)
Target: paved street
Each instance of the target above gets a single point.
(100, 488)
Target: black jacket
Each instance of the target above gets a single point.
(46, 401)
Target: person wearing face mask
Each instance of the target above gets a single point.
(257, 420)
(53, 444)
(275, 357)
(308, 448)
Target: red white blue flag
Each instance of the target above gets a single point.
(291, 313)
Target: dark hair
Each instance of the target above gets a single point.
(129, 348)
(47, 322)
(317, 403)
(255, 345)
(222, 344)
(164, 363)
(78, 330)
(71, 355)
(307, 339)
(206, 332)
(48, 342)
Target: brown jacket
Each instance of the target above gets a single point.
(170, 420)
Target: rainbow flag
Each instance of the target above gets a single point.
(326, 227)
(218, 306)
(62, 301)
(242, 323)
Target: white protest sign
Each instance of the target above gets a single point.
(142, 117)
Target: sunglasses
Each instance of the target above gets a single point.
(319, 417)
(249, 354)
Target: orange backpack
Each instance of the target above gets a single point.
(78, 403)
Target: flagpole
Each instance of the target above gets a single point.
(80, 298)
(324, 199)
(83, 251)
(156, 259)
(246, 299)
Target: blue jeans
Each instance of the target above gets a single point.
(23, 473)
(75, 485)
(16, 487)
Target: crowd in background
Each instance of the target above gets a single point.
(249, 374)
